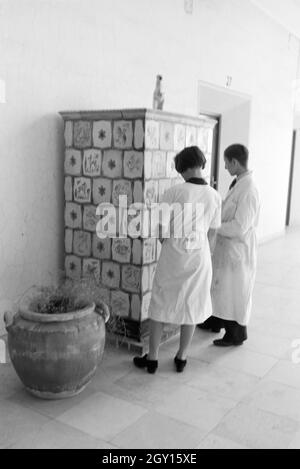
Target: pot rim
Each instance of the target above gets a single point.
(29, 315)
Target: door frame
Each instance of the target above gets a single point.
(215, 154)
(291, 180)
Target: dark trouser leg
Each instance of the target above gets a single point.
(235, 332)
(212, 324)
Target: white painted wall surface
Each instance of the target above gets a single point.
(89, 54)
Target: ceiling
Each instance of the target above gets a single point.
(285, 12)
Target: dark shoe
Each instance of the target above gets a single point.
(180, 364)
(226, 343)
(212, 324)
(143, 362)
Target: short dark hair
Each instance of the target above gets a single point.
(237, 152)
(189, 158)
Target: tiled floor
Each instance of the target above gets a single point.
(247, 397)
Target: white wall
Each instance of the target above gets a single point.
(235, 128)
(89, 54)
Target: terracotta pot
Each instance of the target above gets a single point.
(56, 356)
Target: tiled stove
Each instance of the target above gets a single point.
(112, 153)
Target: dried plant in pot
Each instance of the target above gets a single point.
(56, 338)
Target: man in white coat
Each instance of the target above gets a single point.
(235, 253)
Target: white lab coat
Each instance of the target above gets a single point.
(235, 254)
(182, 282)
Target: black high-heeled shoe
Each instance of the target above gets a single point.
(143, 362)
(180, 364)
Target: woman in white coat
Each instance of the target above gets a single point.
(235, 254)
(182, 282)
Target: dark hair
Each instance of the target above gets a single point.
(237, 152)
(189, 158)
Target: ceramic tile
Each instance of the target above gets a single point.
(286, 373)
(73, 215)
(68, 241)
(68, 134)
(91, 268)
(131, 278)
(152, 135)
(73, 267)
(73, 161)
(90, 219)
(121, 250)
(195, 407)
(213, 442)
(102, 134)
(82, 190)
(101, 248)
(111, 274)
(133, 164)
(257, 429)
(102, 189)
(112, 164)
(276, 398)
(82, 134)
(158, 432)
(166, 136)
(123, 134)
(103, 416)
(92, 162)
(138, 134)
(82, 243)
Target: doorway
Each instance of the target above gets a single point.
(293, 205)
(233, 113)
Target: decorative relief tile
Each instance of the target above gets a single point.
(133, 164)
(91, 268)
(73, 215)
(101, 191)
(120, 305)
(82, 243)
(148, 165)
(137, 252)
(159, 164)
(121, 250)
(131, 278)
(191, 136)
(163, 186)
(145, 279)
(101, 248)
(152, 135)
(151, 192)
(90, 219)
(92, 163)
(82, 134)
(153, 268)
(179, 137)
(82, 190)
(145, 306)
(68, 189)
(69, 241)
(68, 133)
(73, 267)
(171, 171)
(138, 192)
(149, 250)
(73, 162)
(135, 307)
(123, 134)
(166, 136)
(111, 274)
(112, 164)
(138, 134)
(120, 188)
(104, 295)
(102, 134)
